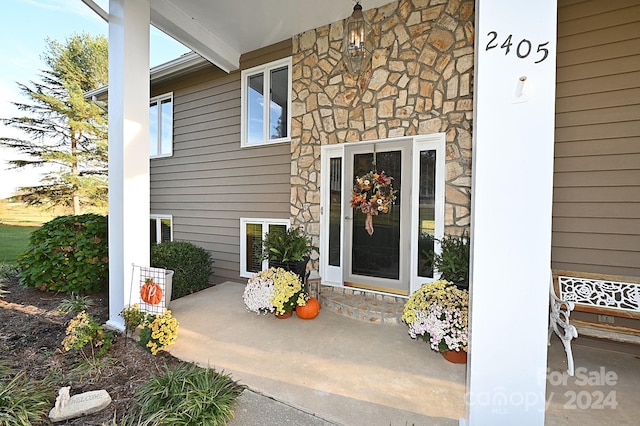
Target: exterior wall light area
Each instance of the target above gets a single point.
(357, 43)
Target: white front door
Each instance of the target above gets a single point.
(392, 258)
(377, 261)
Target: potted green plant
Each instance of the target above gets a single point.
(288, 249)
(453, 260)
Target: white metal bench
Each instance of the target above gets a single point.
(559, 323)
(593, 295)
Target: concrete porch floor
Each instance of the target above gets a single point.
(337, 370)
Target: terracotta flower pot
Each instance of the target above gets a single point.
(456, 357)
(285, 315)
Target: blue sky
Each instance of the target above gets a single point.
(25, 24)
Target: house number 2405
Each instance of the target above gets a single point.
(522, 49)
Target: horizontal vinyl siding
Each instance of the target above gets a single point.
(265, 55)
(596, 212)
(210, 182)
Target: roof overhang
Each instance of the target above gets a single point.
(220, 31)
(186, 63)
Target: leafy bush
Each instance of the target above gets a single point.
(192, 266)
(68, 254)
(189, 395)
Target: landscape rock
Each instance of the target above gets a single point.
(69, 407)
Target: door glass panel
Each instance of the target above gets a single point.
(426, 212)
(335, 203)
(378, 255)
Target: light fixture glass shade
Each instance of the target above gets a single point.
(356, 50)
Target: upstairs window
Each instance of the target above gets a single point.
(161, 126)
(266, 104)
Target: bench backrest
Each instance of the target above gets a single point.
(612, 295)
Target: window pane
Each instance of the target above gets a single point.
(255, 109)
(335, 202)
(278, 106)
(167, 126)
(153, 129)
(165, 230)
(153, 232)
(426, 213)
(254, 247)
(273, 226)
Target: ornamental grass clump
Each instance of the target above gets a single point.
(439, 313)
(274, 290)
(24, 400)
(188, 395)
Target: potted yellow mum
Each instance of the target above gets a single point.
(274, 290)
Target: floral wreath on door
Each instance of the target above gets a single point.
(373, 194)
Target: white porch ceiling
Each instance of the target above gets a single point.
(221, 30)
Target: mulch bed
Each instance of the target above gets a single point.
(31, 333)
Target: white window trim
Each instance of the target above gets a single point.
(158, 100)
(244, 221)
(159, 218)
(264, 69)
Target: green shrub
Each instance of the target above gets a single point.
(189, 395)
(68, 254)
(192, 266)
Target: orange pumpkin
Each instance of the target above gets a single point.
(151, 292)
(310, 310)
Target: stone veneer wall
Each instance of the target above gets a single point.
(420, 82)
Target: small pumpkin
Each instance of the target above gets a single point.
(151, 292)
(310, 310)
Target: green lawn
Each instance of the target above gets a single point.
(13, 241)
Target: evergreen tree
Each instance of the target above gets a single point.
(63, 129)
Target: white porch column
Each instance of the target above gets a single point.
(128, 148)
(511, 222)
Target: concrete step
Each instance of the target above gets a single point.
(363, 305)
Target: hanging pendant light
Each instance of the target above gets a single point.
(356, 50)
